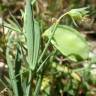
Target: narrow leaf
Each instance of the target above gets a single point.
(36, 43)
(29, 32)
(10, 63)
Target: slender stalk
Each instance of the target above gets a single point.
(38, 85)
(53, 31)
(42, 64)
(29, 83)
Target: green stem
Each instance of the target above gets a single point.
(53, 31)
(38, 85)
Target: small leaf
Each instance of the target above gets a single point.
(69, 42)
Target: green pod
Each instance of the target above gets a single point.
(69, 42)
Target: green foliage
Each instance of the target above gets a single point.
(36, 67)
(32, 35)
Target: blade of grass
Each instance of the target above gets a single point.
(38, 85)
(11, 67)
(29, 31)
(18, 62)
(12, 24)
(36, 43)
(29, 34)
(40, 71)
(4, 84)
(42, 64)
(16, 22)
(10, 27)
